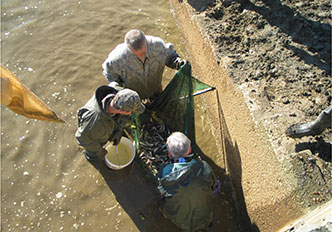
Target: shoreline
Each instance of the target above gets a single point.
(259, 99)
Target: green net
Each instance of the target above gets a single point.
(175, 105)
(173, 110)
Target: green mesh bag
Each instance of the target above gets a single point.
(175, 105)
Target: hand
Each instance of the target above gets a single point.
(116, 138)
(180, 62)
(183, 62)
(215, 191)
(101, 154)
(116, 141)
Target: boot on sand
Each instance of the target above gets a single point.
(315, 127)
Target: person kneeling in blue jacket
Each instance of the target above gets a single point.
(187, 186)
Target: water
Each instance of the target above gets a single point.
(56, 48)
(119, 155)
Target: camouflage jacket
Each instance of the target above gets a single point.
(144, 77)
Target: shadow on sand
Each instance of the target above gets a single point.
(319, 146)
(137, 196)
(234, 178)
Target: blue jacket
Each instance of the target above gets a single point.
(187, 190)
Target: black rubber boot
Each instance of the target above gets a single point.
(90, 157)
(316, 127)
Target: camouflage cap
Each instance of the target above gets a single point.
(128, 100)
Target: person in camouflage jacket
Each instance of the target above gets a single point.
(103, 118)
(139, 63)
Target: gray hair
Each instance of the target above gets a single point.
(135, 39)
(178, 144)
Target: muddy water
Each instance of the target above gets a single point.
(56, 48)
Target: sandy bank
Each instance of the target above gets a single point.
(274, 180)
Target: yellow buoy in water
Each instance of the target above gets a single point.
(120, 156)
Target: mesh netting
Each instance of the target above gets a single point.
(173, 110)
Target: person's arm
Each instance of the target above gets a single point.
(112, 66)
(173, 60)
(85, 133)
(110, 73)
(214, 183)
(119, 131)
(166, 52)
(176, 62)
(90, 144)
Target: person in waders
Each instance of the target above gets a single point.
(187, 186)
(104, 117)
(139, 63)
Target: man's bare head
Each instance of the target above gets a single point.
(135, 39)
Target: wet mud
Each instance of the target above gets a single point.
(278, 55)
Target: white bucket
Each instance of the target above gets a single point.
(124, 157)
